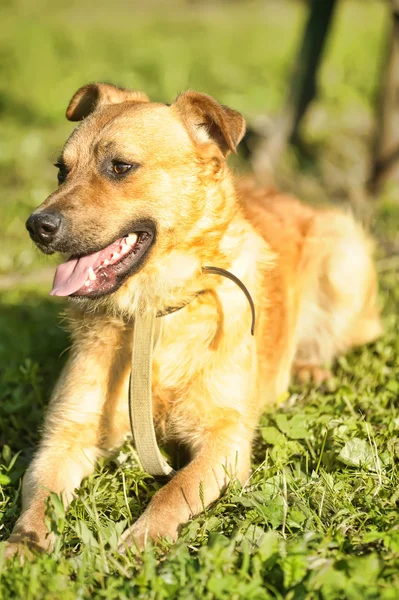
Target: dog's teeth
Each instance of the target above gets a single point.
(131, 239)
(92, 275)
(106, 262)
(115, 255)
(87, 283)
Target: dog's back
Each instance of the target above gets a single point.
(324, 284)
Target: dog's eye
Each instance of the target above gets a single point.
(121, 168)
(62, 172)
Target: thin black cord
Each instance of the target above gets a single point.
(224, 273)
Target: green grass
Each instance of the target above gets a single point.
(319, 517)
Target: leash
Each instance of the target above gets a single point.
(146, 332)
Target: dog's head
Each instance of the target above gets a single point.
(139, 184)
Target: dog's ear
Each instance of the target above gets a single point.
(207, 120)
(93, 95)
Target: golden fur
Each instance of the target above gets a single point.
(309, 271)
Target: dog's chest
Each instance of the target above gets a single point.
(183, 352)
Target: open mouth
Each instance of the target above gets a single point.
(103, 272)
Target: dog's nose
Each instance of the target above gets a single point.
(43, 227)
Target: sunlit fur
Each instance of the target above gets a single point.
(309, 272)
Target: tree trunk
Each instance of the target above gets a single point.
(302, 89)
(385, 160)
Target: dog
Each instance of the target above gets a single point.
(145, 200)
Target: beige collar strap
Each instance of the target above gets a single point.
(145, 335)
(146, 332)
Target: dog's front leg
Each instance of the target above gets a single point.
(73, 433)
(224, 454)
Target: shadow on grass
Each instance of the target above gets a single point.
(32, 345)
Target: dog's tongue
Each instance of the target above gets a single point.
(72, 274)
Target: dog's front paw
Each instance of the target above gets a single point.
(22, 547)
(311, 373)
(27, 544)
(133, 539)
(142, 533)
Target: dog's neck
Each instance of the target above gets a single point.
(221, 238)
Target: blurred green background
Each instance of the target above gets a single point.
(331, 531)
(240, 52)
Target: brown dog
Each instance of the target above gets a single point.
(145, 201)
